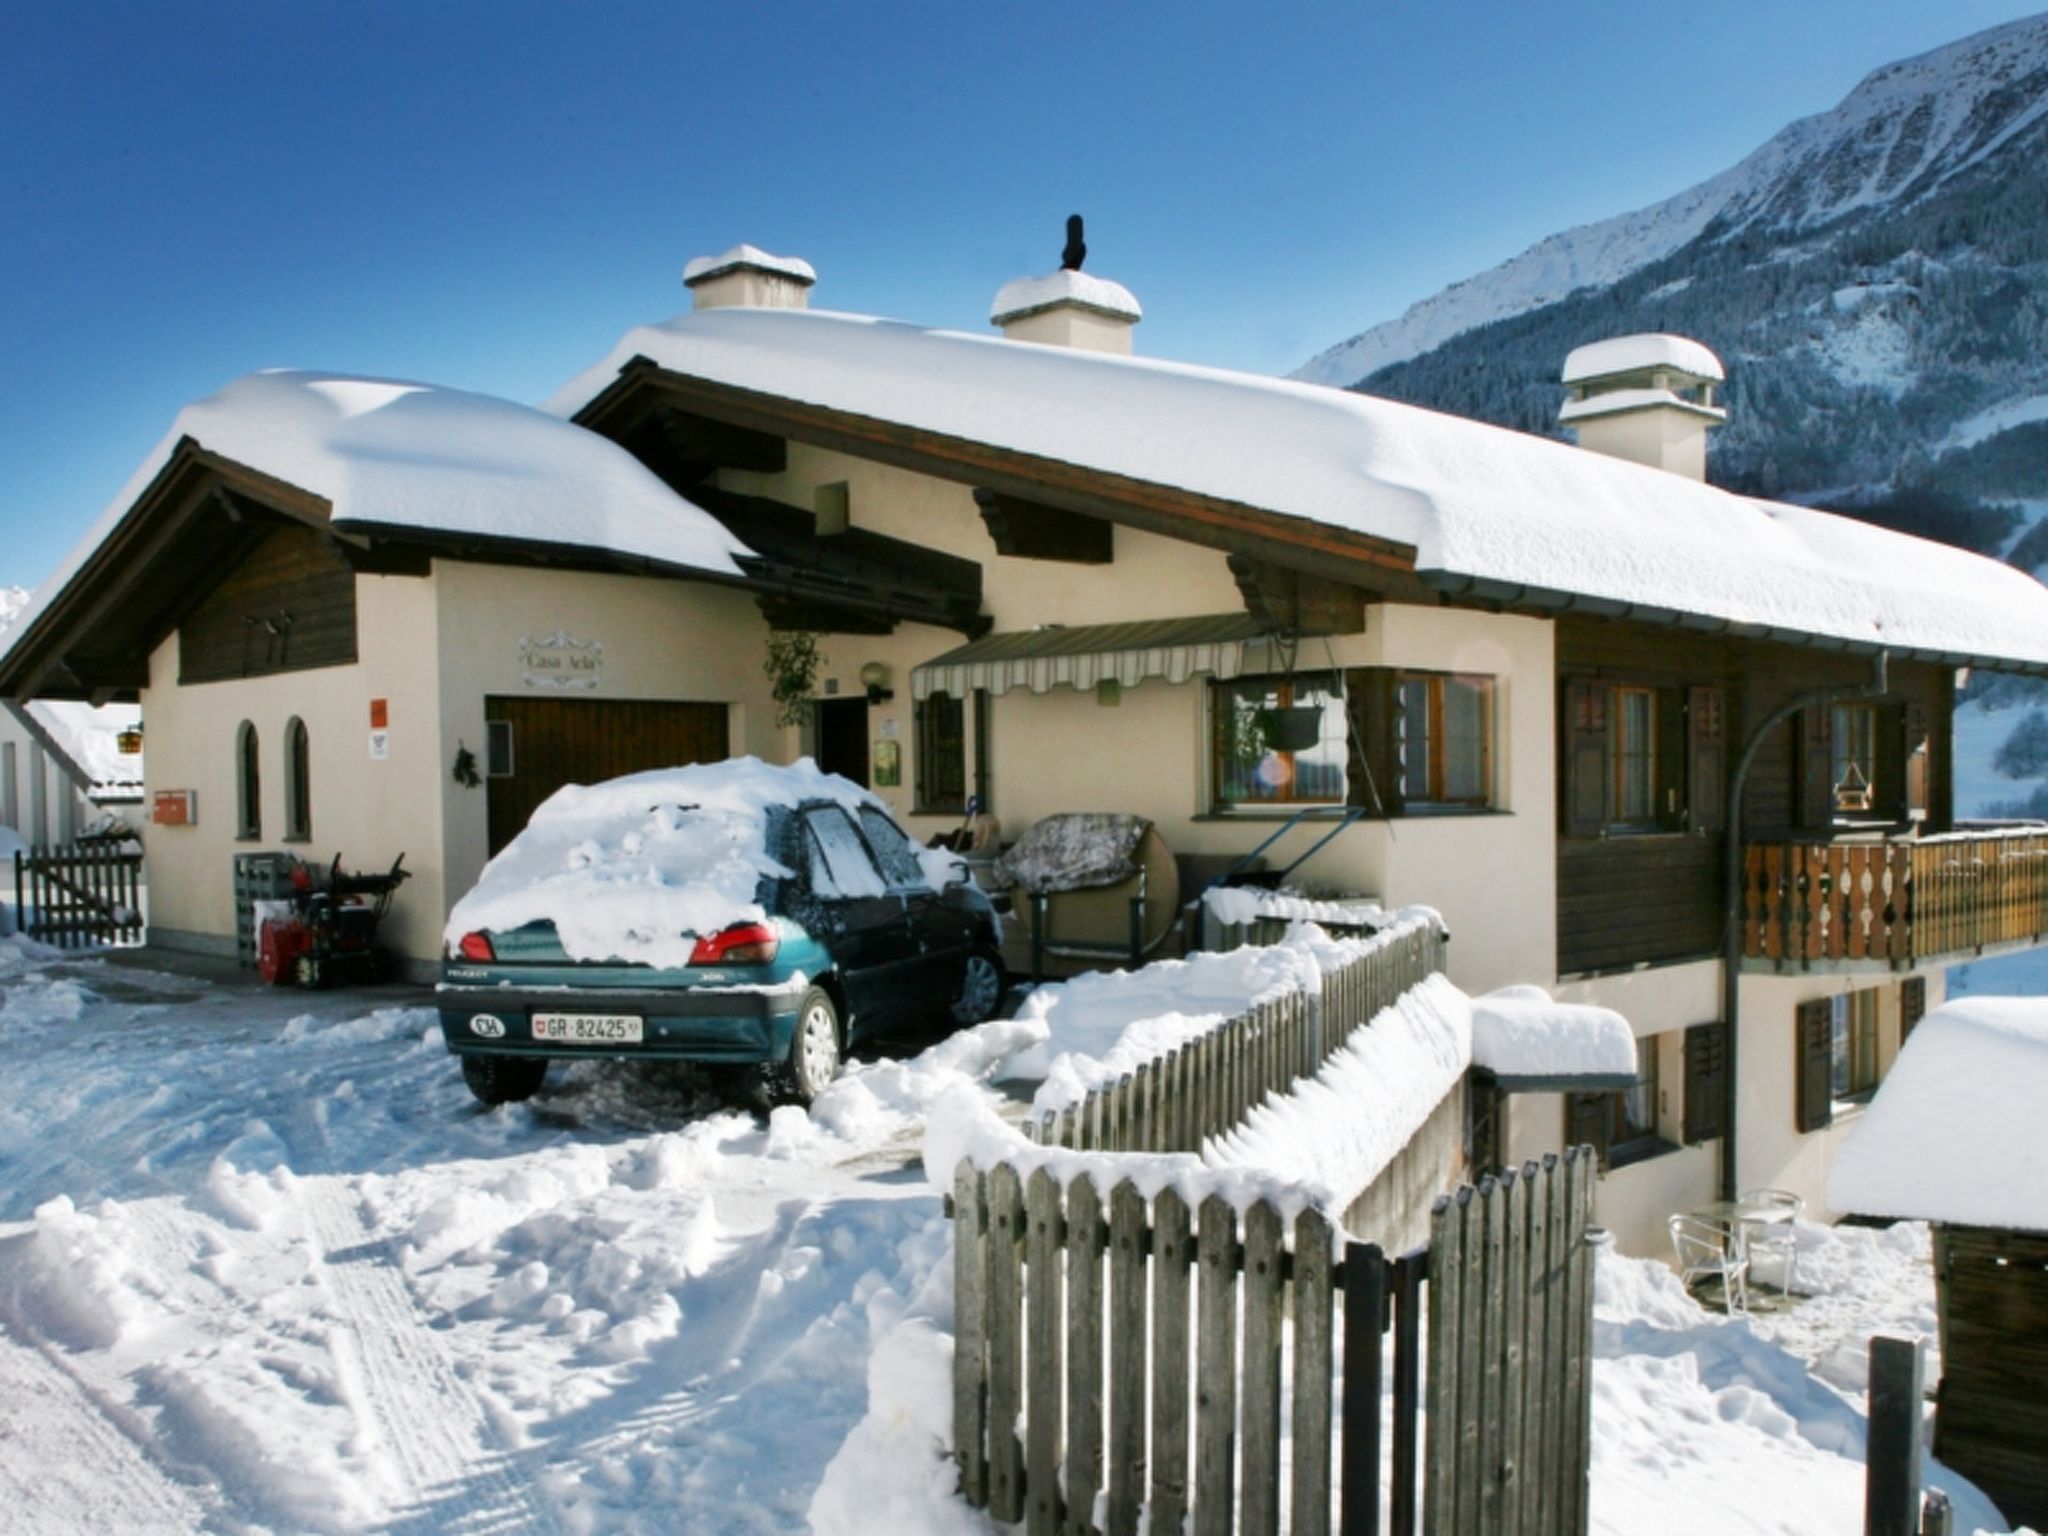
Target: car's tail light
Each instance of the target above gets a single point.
(742, 944)
(476, 946)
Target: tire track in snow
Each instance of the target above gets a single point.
(68, 1465)
(430, 1420)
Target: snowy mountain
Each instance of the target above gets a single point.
(1875, 278)
(1906, 131)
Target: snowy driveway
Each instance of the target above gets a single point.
(265, 1265)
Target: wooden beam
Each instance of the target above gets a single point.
(1032, 531)
(1381, 566)
(800, 613)
(695, 439)
(1294, 602)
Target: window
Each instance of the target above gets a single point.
(298, 781)
(1635, 757)
(840, 865)
(498, 761)
(1837, 1062)
(1640, 758)
(1442, 744)
(248, 783)
(1852, 759)
(1852, 1037)
(900, 864)
(1622, 1126)
(940, 722)
(1278, 741)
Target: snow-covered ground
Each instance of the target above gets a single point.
(264, 1266)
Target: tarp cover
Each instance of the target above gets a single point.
(1074, 851)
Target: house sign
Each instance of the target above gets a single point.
(561, 661)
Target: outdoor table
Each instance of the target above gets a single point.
(1739, 1217)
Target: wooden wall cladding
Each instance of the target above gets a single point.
(288, 607)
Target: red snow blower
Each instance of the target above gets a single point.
(326, 933)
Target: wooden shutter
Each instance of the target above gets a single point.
(1587, 774)
(1706, 788)
(1706, 1082)
(1373, 778)
(1918, 747)
(1813, 1037)
(1888, 786)
(1912, 1004)
(1586, 1119)
(1816, 728)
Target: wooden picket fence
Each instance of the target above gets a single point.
(1122, 1358)
(1175, 1102)
(80, 895)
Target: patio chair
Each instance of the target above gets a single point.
(1709, 1251)
(1769, 1224)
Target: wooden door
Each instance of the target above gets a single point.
(583, 741)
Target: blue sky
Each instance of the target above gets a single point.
(487, 195)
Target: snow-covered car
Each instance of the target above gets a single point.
(737, 913)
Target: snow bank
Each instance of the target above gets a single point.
(634, 868)
(1475, 502)
(1239, 906)
(1521, 1032)
(1978, 1064)
(1338, 1131)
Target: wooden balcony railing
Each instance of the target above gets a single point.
(1896, 902)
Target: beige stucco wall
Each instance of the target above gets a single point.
(662, 639)
(367, 810)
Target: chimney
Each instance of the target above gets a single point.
(1068, 308)
(1648, 398)
(748, 276)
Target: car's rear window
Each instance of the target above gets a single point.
(840, 865)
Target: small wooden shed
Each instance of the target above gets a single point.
(1956, 1137)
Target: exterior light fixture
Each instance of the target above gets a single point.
(875, 678)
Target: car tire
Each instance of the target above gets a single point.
(981, 988)
(504, 1079)
(816, 1048)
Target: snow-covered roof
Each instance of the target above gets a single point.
(1631, 354)
(1954, 1133)
(700, 269)
(87, 735)
(1526, 1039)
(1478, 504)
(384, 454)
(1028, 295)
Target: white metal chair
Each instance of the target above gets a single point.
(1769, 1227)
(1709, 1251)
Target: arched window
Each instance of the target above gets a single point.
(298, 781)
(248, 784)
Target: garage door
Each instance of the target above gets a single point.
(546, 743)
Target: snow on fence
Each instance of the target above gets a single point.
(1205, 1086)
(1894, 902)
(1118, 1360)
(79, 895)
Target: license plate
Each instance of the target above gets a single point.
(588, 1028)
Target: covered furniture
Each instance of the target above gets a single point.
(1092, 884)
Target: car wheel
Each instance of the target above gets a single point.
(814, 1050)
(504, 1079)
(981, 988)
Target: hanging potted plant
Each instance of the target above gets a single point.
(1290, 728)
(791, 665)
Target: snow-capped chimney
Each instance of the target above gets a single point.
(747, 275)
(1649, 398)
(1068, 308)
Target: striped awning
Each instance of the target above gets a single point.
(1082, 655)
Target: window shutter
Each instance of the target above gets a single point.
(1816, 767)
(1587, 769)
(1706, 1080)
(1813, 1036)
(1889, 790)
(1917, 745)
(1585, 1122)
(1706, 787)
(1373, 777)
(1912, 1004)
